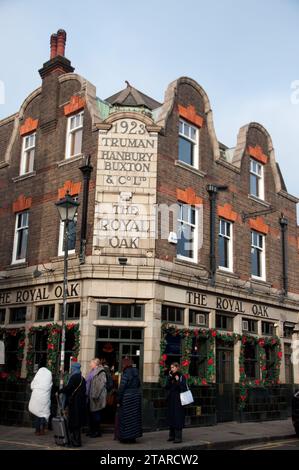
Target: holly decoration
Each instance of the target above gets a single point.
(54, 335)
(187, 335)
(266, 378)
(210, 335)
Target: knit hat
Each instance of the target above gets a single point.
(75, 367)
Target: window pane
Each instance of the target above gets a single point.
(22, 235)
(185, 151)
(254, 185)
(223, 252)
(18, 315)
(185, 241)
(72, 234)
(77, 142)
(104, 310)
(193, 133)
(255, 262)
(126, 311)
(115, 311)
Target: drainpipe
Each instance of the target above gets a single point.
(284, 228)
(213, 190)
(86, 170)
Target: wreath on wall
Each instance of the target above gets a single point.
(53, 343)
(246, 383)
(210, 335)
(13, 376)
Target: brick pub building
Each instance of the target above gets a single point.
(182, 249)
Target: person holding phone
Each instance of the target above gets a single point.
(175, 384)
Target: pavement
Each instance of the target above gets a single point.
(221, 436)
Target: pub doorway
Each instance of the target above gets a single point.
(224, 381)
(113, 345)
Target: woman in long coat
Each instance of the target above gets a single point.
(129, 403)
(40, 401)
(75, 392)
(176, 383)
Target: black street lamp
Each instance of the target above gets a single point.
(67, 208)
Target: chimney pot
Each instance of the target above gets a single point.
(61, 40)
(53, 46)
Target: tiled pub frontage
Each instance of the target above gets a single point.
(234, 351)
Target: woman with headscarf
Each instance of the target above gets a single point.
(129, 403)
(75, 393)
(40, 401)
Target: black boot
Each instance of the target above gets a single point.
(171, 435)
(178, 436)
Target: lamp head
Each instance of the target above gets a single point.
(67, 207)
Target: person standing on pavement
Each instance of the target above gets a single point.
(75, 404)
(96, 396)
(40, 400)
(176, 383)
(129, 403)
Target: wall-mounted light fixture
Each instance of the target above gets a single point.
(122, 261)
(37, 273)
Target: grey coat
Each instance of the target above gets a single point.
(98, 392)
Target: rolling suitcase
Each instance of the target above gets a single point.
(60, 429)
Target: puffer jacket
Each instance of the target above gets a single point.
(98, 392)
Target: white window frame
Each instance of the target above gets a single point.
(188, 222)
(28, 144)
(230, 244)
(71, 131)
(16, 236)
(262, 250)
(61, 235)
(185, 131)
(258, 173)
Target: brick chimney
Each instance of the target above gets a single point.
(58, 62)
(50, 72)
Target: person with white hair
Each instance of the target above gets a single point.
(40, 401)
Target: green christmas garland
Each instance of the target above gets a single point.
(245, 383)
(187, 335)
(54, 332)
(229, 338)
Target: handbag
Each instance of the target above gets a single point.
(186, 397)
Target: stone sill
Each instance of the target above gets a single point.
(23, 177)
(67, 161)
(260, 201)
(185, 166)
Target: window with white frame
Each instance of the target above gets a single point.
(225, 245)
(72, 227)
(74, 135)
(187, 232)
(28, 151)
(256, 179)
(257, 255)
(188, 143)
(21, 237)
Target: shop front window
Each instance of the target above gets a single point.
(270, 362)
(198, 359)
(173, 349)
(250, 361)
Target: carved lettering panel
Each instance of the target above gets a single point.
(126, 188)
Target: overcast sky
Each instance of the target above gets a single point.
(245, 54)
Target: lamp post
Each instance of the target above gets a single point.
(67, 208)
